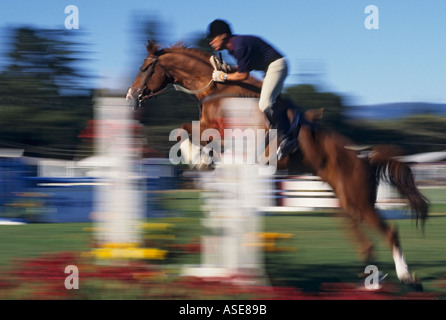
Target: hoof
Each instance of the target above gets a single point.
(413, 282)
(417, 286)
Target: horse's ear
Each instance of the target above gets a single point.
(313, 115)
(151, 47)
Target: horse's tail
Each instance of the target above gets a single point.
(401, 177)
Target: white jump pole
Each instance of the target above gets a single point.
(235, 193)
(119, 204)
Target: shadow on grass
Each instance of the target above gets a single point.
(312, 277)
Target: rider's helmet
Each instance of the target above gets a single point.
(218, 27)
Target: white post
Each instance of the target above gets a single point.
(234, 196)
(119, 205)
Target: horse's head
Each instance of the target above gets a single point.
(151, 79)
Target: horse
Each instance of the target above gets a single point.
(354, 179)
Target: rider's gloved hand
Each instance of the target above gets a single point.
(225, 67)
(219, 76)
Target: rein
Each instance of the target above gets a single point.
(228, 95)
(180, 88)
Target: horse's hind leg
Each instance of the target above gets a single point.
(392, 238)
(357, 234)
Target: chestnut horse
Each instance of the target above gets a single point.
(353, 179)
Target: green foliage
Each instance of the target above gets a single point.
(307, 97)
(44, 103)
(414, 134)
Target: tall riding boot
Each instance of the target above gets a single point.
(278, 120)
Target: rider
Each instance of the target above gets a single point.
(253, 53)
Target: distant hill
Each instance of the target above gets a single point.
(395, 110)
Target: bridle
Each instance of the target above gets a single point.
(149, 70)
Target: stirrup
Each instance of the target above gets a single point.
(295, 123)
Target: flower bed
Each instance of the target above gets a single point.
(44, 277)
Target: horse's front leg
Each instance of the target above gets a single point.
(197, 151)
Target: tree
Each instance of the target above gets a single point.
(44, 105)
(306, 96)
(414, 134)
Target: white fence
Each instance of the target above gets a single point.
(310, 193)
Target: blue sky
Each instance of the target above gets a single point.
(402, 61)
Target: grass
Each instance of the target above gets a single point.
(322, 251)
(32, 240)
(326, 254)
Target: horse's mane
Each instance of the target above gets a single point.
(252, 84)
(181, 47)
